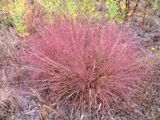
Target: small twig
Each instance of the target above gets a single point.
(145, 13)
(119, 7)
(135, 8)
(127, 9)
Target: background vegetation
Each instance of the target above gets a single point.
(19, 12)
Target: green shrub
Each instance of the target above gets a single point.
(14, 12)
(156, 5)
(112, 9)
(50, 6)
(71, 8)
(116, 10)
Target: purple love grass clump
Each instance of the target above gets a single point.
(86, 66)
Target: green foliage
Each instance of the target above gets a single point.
(87, 7)
(117, 10)
(50, 6)
(15, 15)
(77, 8)
(15, 11)
(80, 7)
(70, 8)
(112, 9)
(156, 5)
